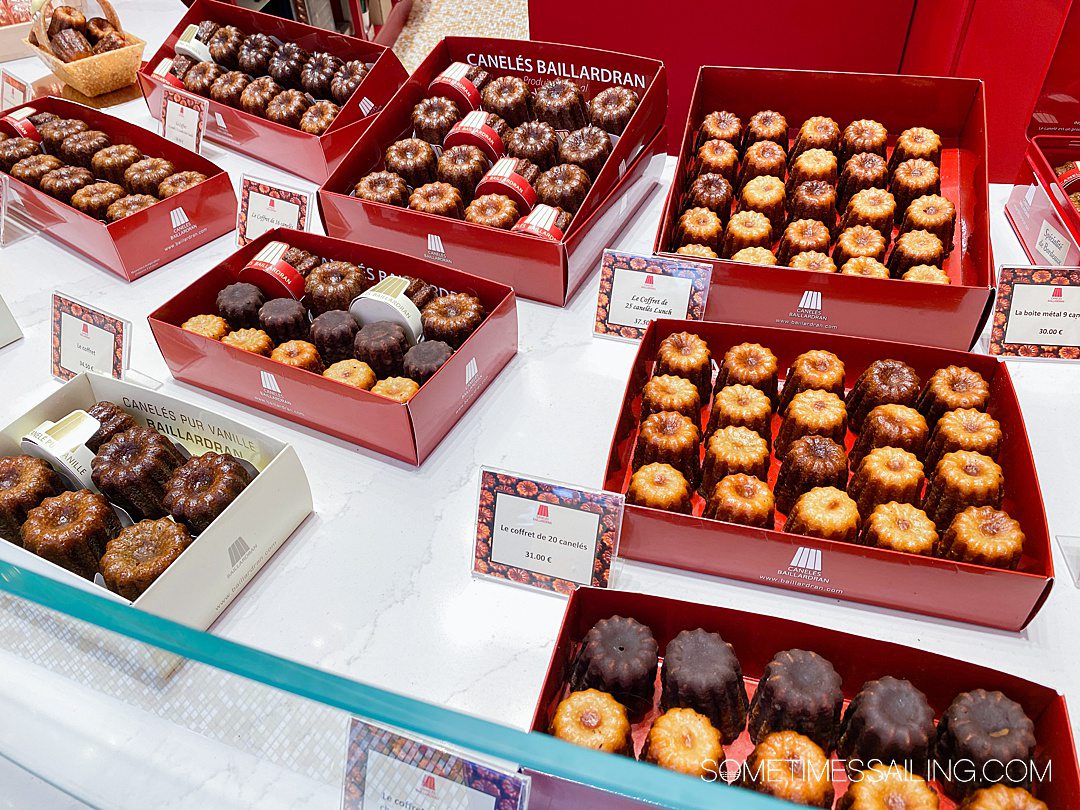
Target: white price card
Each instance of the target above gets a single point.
(13, 90)
(183, 118)
(85, 338)
(265, 205)
(1037, 313)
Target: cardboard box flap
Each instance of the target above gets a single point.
(1057, 106)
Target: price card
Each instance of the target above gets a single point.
(85, 338)
(545, 534)
(183, 118)
(13, 91)
(637, 289)
(265, 206)
(388, 770)
(1037, 313)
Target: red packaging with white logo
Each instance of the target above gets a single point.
(539, 269)
(473, 130)
(407, 431)
(269, 271)
(312, 157)
(543, 221)
(950, 315)
(459, 84)
(148, 239)
(503, 178)
(993, 597)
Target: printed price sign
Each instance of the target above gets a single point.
(545, 534)
(13, 91)
(1037, 313)
(265, 206)
(86, 339)
(636, 290)
(183, 118)
(387, 770)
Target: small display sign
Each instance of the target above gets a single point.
(1037, 313)
(265, 206)
(183, 118)
(13, 90)
(636, 289)
(86, 339)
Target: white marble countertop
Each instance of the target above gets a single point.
(377, 586)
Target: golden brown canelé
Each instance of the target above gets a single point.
(209, 326)
(767, 125)
(963, 429)
(866, 266)
(561, 103)
(722, 125)
(813, 164)
(1002, 797)
(824, 512)
(224, 46)
(462, 166)
(812, 261)
(732, 450)
(139, 554)
(494, 211)
(755, 255)
(611, 109)
(287, 108)
(700, 226)
(660, 486)
(318, 117)
(399, 389)
(917, 142)
(765, 194)
(862, 136)
(927, 274)
(762, 159)
(126, 206)
(564, 186)
(816, 369)
(741, 499)
(951, 388)
(62, 183)
(882, 382)
(685, 354)
(54, 131)
(534, 141)
(711, 191)
(684, 741)
(816, 200)
(858, 241)
(871, 206)
(741, 406)
(144, 176)
(334, 285)
(900, 527)
(201, 77)
(413, 160)
(802, 236)
(255, 341)
(433, 118)
(698, 252)
(670, 438)
(593, 719)
(440, 199)
(983, 535)
(351, 372)
(80, 148)
(181, 181)
(914, 178)
(229, 87)
(587, 147)
(962, 479)
(861, 171)
(811, 461)
(812, 412)
(452, 318)
(888, 787)
(94, 200)
(791, 767)
(932, 213)
(31, 169)
(667, 392)
(915, 248)
(746, 229)
(25, 481)
(750, 364)
(203, 487)
(891, 425)
(509, 98)
(258, 95)
(133, 468)
(886, 475)
(71, 530)
(719, 157)
(298, 354)
(383, 187)
(111, 163)
(818, 132)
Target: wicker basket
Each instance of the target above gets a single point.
(94, 75)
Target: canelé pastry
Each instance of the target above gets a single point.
(333, 334)
(205, 30)
(80, 148)
(917, 142)
(144, 176)
(351, 372)
(318, 117)
(62, 183)
(963, 429)
(611, 109)
(660, 486)
(284, 319)
(201, 77)
(884, 787)
(741, 406)
(891, 425)
(819, 132)
(210, 326)
(69, 45)
(742, 499)
(811, 461)
(399, 389)
(701, 672)
(348, 77)
(424, 359)
(801, 236)
(746, 229)
(713, 192)
(859, 240)
(25, 482)
(1002, 797)
(462, 166)
(452, 318)
(94, 200)
(287, 63)
(564, 186)
(719, 157)
(332, 285)
(700, 226)
(816, 369)
(732, 450)
(126, 206)
(383, 187)
(927, 274)
(254, 54)
(888, 722)
(318, 72)
(684, 741)
(203, 487)
(765, 194)
(534, 141)
(792, 767)
(749, 364)
(301, 261)
(871, 206)
(593, 719)
(951, 388)
(814, 199)
(298, 354)
(932, 213)
(258, 95)
(914, 178)
(30, 170)
(413, 160)
(812, 413)
(181, 181)
(763, 159)
(53, 132)
(883, 382)
(698, 252)
(755, 255)
(494, 211)
(132, 469)
(225, 45)
(980, 735)
(560, 103)
(139, 554)
(900, 527)
(962, 479)
(861, 171)
(98, 27)
(670, 438)
(767, 125)
(587, 147)
(863, 135)
(866, 266)
(722, 125)
(685, 354)
(229, 87)
(40, 119)
(812, 261)
(618, 656)
(64, 17)
(239, 304)
(255, 341)
(71, 530)
(886, 475)
(111, 419)
(382, 345)
(287, 108)
(433, 117)
(813, 164)
(181, 64)
(509, 98)
(667, 392)
(798, 691)
(984, 536)
(824, 512)
(112, 41)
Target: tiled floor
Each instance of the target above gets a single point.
(431, 20)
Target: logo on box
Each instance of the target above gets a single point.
(366, 105)
(811, 300)
(269, 382)
(238, 550)
(471, 370)
(435, 251)
(807, 559)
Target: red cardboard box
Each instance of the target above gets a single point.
(148, 239)
(951, 316)
(407, 431)
(536, 268)
(756, 639)
(935, 587)
(312, 157)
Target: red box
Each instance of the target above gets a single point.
(950, 316)
(756, 639)
(407, 431)
(935, 587)
(312, 157)
(536, 268)
(150, 238)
